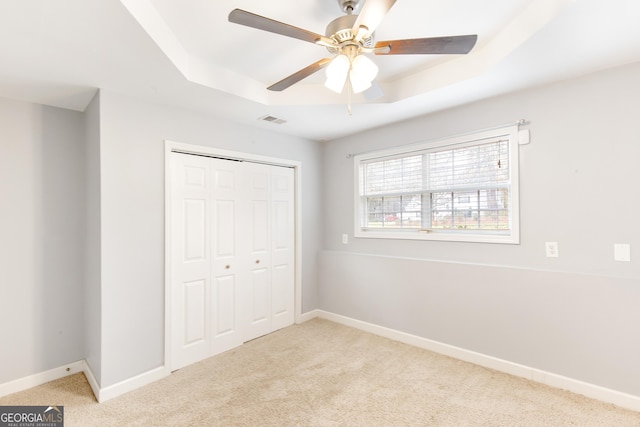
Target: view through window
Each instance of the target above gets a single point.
(459, 189)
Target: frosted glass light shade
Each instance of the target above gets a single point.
(337, 73)
(363, 71)
(359, 85)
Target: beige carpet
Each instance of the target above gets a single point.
(324, 374)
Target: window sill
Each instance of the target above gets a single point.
(438, 235)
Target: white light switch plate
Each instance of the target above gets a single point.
(622, 252)
(552, 249)
(345, 239)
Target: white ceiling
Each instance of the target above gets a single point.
(185, 53)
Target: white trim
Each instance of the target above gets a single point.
(468, 139)
(228, 154)
(297, 180)
(91, 379)
(35, 380)
(477, 135)
(309, 315)
(593, 391)
(131, 384)
(171, 146)
(167, 254)
(603, 394)
(101, 394)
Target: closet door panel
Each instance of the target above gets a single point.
(224, 303)
(191, 259)
(282, 247)
(226, 295)
(194, 312)
(258, 258)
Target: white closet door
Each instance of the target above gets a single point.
(191, 259)
(270, 260)
(227, 269)
(282, 247)
(258, 250)
(232, 254)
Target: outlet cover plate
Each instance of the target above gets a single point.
(552, 249)
(622, 252)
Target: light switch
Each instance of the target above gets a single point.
(552, 249)
(622, 252)
(345, 239)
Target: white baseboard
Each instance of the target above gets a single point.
(131, 384)
(91, 379)
(554, 380)
(305, 317)
(621, 399)
(101, 394)
(41, 378)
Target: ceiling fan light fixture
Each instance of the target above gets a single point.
(348, 37)
(337, 72)
(363, 71)
(359, 85)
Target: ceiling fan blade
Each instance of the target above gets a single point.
(429, 45)
(372, 13)
(242, 17)
(299, 75)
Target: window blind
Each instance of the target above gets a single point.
(461, 188)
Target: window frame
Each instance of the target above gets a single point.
(509, 133)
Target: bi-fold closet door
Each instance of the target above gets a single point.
(232, 254)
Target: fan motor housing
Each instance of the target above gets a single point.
(340, 30)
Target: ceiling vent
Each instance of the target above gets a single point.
(272, 119)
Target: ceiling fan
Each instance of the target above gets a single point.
(349, 38)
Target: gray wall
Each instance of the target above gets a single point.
(41, 238)
(132, 217)
(575, 315)
(82, 229)
(89, 189)
(92, 273)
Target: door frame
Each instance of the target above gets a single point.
(173, 146)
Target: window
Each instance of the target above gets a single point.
(459, 189)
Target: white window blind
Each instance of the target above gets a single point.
(459, 189)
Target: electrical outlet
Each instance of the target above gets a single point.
(552, 249)
(345, 239)
(622, 252)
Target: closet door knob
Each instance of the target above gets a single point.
(257, 261)
(227, 266)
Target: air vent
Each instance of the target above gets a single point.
(272, 119)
